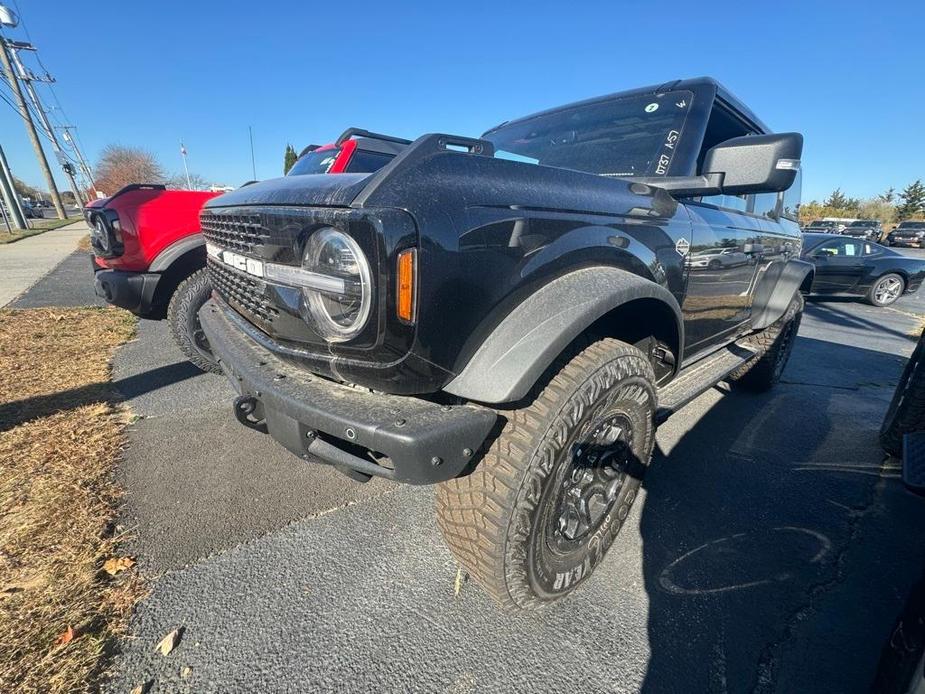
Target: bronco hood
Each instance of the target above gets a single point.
(314, 190)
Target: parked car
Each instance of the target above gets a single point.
(867, 229)
(909, 234)
(150, 257)
(31, 212)
(822, 227)
(509, 316)
(845, 265)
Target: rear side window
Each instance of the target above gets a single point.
(366, 162)
(319, 161)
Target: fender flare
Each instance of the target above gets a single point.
(790, 276)
(176, 250)
(525, 343)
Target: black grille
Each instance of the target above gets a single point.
(243, 292)
(236, 232)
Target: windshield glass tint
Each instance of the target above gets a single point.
(862, 223)
(912, 225)
(317, 162)
(628, 136)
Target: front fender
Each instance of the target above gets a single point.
(524, 344)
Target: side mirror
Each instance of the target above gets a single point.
(756, 163)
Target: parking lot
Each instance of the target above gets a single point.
(773, 548)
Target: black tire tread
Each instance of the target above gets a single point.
(907, 408)
(757, 374)
(180, 306)
(474, 511)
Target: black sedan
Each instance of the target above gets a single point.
(854, 266)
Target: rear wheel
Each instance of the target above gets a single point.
(183, 317)
(885, 290)
(542, 508)
(774, 345)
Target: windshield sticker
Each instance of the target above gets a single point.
(664, 159)
(651, 108)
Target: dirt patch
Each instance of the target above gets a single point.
(63, 600)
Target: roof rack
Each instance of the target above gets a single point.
(359, 132)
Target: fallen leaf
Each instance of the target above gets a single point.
(65, 637)
(186, 672)
(117, 565)
(169, 642)
(143, 687)
(460, 579)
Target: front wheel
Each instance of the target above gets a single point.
(540, 511)
(885, 290)
(183, 317)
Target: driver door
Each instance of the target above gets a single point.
(839, 265)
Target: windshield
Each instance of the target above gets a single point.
(912, 225)
(862, 223)
(628, 136)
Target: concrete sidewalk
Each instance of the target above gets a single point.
(25, 262)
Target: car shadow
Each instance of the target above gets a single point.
(826, 309)
(17, 412)
(746, 525)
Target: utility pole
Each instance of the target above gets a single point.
(30, 128)
(27, 78)
(9, 194)
(72, 140)
(250, 131)
(189, 185)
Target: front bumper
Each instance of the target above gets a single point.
(411, 440)
(129, 290)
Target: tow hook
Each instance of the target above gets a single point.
(246, 411)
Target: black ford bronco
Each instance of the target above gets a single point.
(512, 316)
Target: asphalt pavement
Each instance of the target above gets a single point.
(771, 550)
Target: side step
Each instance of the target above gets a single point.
(914, 462)
(698, 378)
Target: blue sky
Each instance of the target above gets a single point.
(848, 75)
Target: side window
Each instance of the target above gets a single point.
(723, 125)
(764, 204)
(842, 248)
(363, 161)
(791, 198)
(730, 202)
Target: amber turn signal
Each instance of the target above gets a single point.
(406, 279)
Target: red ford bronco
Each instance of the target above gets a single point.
(149, 254)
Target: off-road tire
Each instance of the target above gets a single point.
(906, 412)
(183, 317)
(872, 292)
(497, 520)
(774, 345)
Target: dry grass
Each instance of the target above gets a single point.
(60, 433)
(84, 243)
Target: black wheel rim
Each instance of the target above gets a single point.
(590, 482)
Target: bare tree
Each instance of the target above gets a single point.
(119, 166)
(178, 182)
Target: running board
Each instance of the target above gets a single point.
(698, 378)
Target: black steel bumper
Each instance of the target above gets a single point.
(402, 438)
(130, 290)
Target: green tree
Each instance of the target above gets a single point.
(889, 195)
(289, 158)
(912, 200)
(837, 199)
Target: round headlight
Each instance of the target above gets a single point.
(337, 313)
